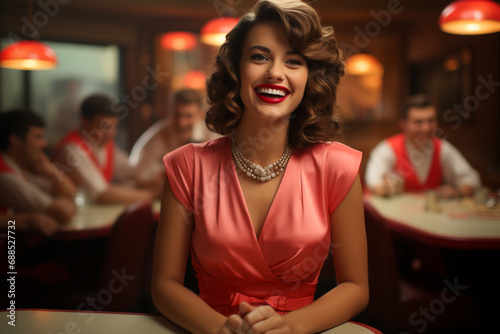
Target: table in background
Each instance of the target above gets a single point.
(459, 225)
(52, 321)
(460, 244)
(91, 221)
(95, 220)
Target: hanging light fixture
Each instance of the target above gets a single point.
(28, 55)
(194, 80)
(471, 17)
(178, 41)
(363, 64)
(214, 32)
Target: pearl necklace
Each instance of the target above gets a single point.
(256, 171)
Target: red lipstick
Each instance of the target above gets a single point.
(271, 93)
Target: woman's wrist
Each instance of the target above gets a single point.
(297, 327)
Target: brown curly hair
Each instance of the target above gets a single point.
(314, 119)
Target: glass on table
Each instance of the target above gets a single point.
(483, 196)
(80, 197)
(480, 195)
(432, 201)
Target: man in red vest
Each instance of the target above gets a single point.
(33, 191)
(415, 160)
(90, 156)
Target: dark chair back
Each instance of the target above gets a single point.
(124, 272)
(382, 266)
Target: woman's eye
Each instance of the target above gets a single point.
(258, 57)
(294, 62)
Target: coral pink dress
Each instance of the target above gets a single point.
(281, 267)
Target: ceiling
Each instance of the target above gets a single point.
(406, 9)
(167, 7)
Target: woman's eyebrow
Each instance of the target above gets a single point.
(264, 49)
(259, 47)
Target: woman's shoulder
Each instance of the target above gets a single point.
(211, 149)
(331, 156)
(209, 145)
(195, 151)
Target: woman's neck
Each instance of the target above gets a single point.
(262, 142)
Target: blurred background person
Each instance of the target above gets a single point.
(92, 159)
(29, 221)
(416, 160)
(30, 183)
(185, 125)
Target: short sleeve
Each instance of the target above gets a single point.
(381, 161)
(123, 171)
(342, 167)
(82, 171)
(179, 167)
(456, 170)
(21, 195)
(150, 159)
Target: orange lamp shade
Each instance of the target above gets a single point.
(214, 32)
(363, 64)
(28, 55)
(194, 80)
(471, 17)
(178, 40)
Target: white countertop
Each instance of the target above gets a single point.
(51, 321)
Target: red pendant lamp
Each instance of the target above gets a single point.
(471, 17)
(194, 80)
(214, 32)
(178, 41)
(28, 55)
(363, 64)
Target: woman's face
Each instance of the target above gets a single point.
(273, 75)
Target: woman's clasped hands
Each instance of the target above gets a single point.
(255, 320)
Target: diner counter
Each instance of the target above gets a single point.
(458, 223)
(55, 321)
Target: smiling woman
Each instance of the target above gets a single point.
(260, 208)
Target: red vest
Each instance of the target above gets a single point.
(4, 168)
(74, 137)
(405, 168)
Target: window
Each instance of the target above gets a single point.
(56, 94)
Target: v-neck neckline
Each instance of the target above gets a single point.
(249, 221)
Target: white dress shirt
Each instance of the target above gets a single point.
(455, 168)
(21, 191)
